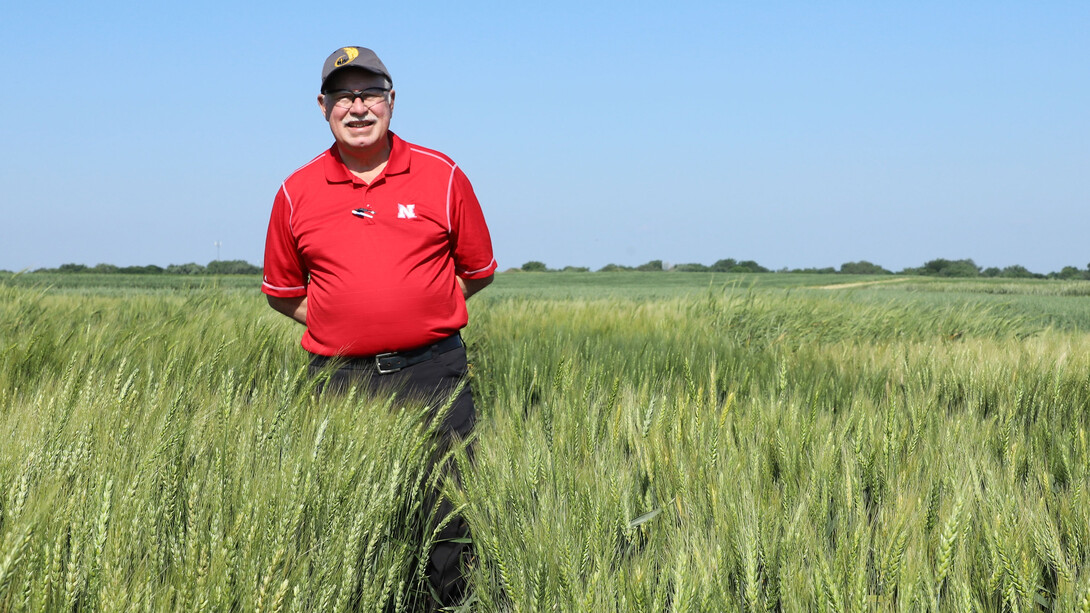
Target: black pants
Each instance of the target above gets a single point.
(433, 381)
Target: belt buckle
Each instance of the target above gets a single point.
(390, 362)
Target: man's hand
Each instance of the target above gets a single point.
(295, 308)
(472, 286)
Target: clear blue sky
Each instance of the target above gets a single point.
(796, 134)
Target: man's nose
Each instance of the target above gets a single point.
(358, 107)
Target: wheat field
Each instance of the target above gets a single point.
(727, 448)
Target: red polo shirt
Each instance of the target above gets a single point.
(377, 262)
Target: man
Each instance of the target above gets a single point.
(374, 246)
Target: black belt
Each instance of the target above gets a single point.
(393, 361)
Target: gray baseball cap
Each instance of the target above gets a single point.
(359, 57)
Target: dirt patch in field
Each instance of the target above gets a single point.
(861, 284)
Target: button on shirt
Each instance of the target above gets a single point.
(377, 263)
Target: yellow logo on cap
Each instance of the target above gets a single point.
(350, 53)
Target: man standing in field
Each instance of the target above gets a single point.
(374, 246)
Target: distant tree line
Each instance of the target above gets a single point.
(934, 268)
(968, 268)
(215, 267)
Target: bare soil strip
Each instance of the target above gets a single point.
(860, 284)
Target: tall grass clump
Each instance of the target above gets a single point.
(731, 450)
(168, 453)
(778, 452)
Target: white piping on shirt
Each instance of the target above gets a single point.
(450, 188)
(473, 272)
(450, 181)
(284, 187)
(291, 217)
(283, 289)
(291, 206)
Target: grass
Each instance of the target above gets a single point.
(713, 447)
(827, 469)
(126, 284)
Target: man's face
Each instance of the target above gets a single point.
(360, 126)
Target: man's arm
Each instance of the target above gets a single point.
(295, 308)
(471, 286)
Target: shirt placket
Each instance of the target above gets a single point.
(366, 211)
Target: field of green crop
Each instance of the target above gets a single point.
(647, 442)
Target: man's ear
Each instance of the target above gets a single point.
(321, 105)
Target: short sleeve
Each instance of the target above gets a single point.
(471, 244)
(284, 273)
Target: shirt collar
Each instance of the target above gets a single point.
(399, 156)
(337, 172)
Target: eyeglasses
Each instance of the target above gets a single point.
(345, 98)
